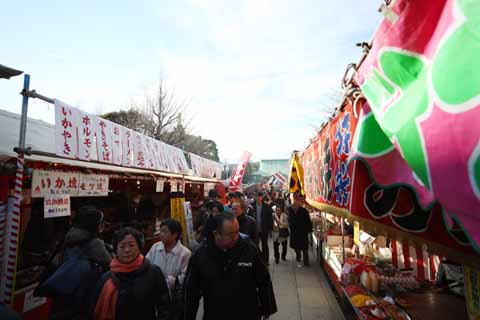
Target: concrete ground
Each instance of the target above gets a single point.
(301, 293)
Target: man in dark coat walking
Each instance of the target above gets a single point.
(263, 214)
(230, 276)
(300, 227)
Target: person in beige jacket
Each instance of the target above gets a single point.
(280, 233)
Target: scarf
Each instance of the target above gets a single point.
(107, 302)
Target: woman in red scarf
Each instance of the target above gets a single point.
(134, 288)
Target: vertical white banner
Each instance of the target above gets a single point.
(127, 147)
(138, 150)
(149, 153)
(179, 161)
(165, 154)
(86, 135)
(65, 130)
(156, 151)
(117, 152)
(104, 139)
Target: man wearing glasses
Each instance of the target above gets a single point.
(230, 276)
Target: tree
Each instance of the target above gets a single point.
(161, 117)
(133, 119)
(168, 114)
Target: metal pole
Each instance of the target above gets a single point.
(343, 241)
(23, 120)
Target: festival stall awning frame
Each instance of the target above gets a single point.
(378, 228)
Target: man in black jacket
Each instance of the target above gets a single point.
(230, 276)
(247, 224)
(263, 214)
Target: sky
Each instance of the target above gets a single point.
(257, 74)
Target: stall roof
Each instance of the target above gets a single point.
(113, 168)
(100, 166)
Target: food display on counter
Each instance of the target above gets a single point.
(371, 307)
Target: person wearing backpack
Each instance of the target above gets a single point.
(84, 258)
(134, 288)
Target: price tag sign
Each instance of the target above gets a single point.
(56, 206)
(160, 185)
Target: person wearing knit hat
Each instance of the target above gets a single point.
(88, 218)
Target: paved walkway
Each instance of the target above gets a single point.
(302, 293)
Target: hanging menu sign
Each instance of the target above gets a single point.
(53, 183)
(45, 183)
(93, 185)
(160, 185)
(56, 206)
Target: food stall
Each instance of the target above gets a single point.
(128, 176)
(388, 159)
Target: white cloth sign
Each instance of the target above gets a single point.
(53, 183)
(75, 184)
(56, 206)
(65, 130)
(204, 167)
(173, 186)
(138, 150)
(160, 185)
(103, 134)
(117, 154)
(93, 185)
(79, 135)
(127, 147)
(149, 153)
(178, 160)
(86, 136)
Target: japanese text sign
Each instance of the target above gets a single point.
(56, 206)
(65, 130)
(45, 183)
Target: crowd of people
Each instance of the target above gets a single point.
(228, 268)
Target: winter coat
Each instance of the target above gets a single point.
(248, 226)
(141, 293)
(93, 249)
(266, 218)
(300, 225)
(234, 284)
(280, 223)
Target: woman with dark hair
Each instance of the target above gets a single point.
(134, 288)
(172, 257)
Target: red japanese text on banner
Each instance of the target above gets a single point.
(53, 183)
(139, 150)
(127, 147)
(104, 140)
(86, 136)
(149, 153)
(56, 206)
(65, 130)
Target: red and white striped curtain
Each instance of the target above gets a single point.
(424, 264)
